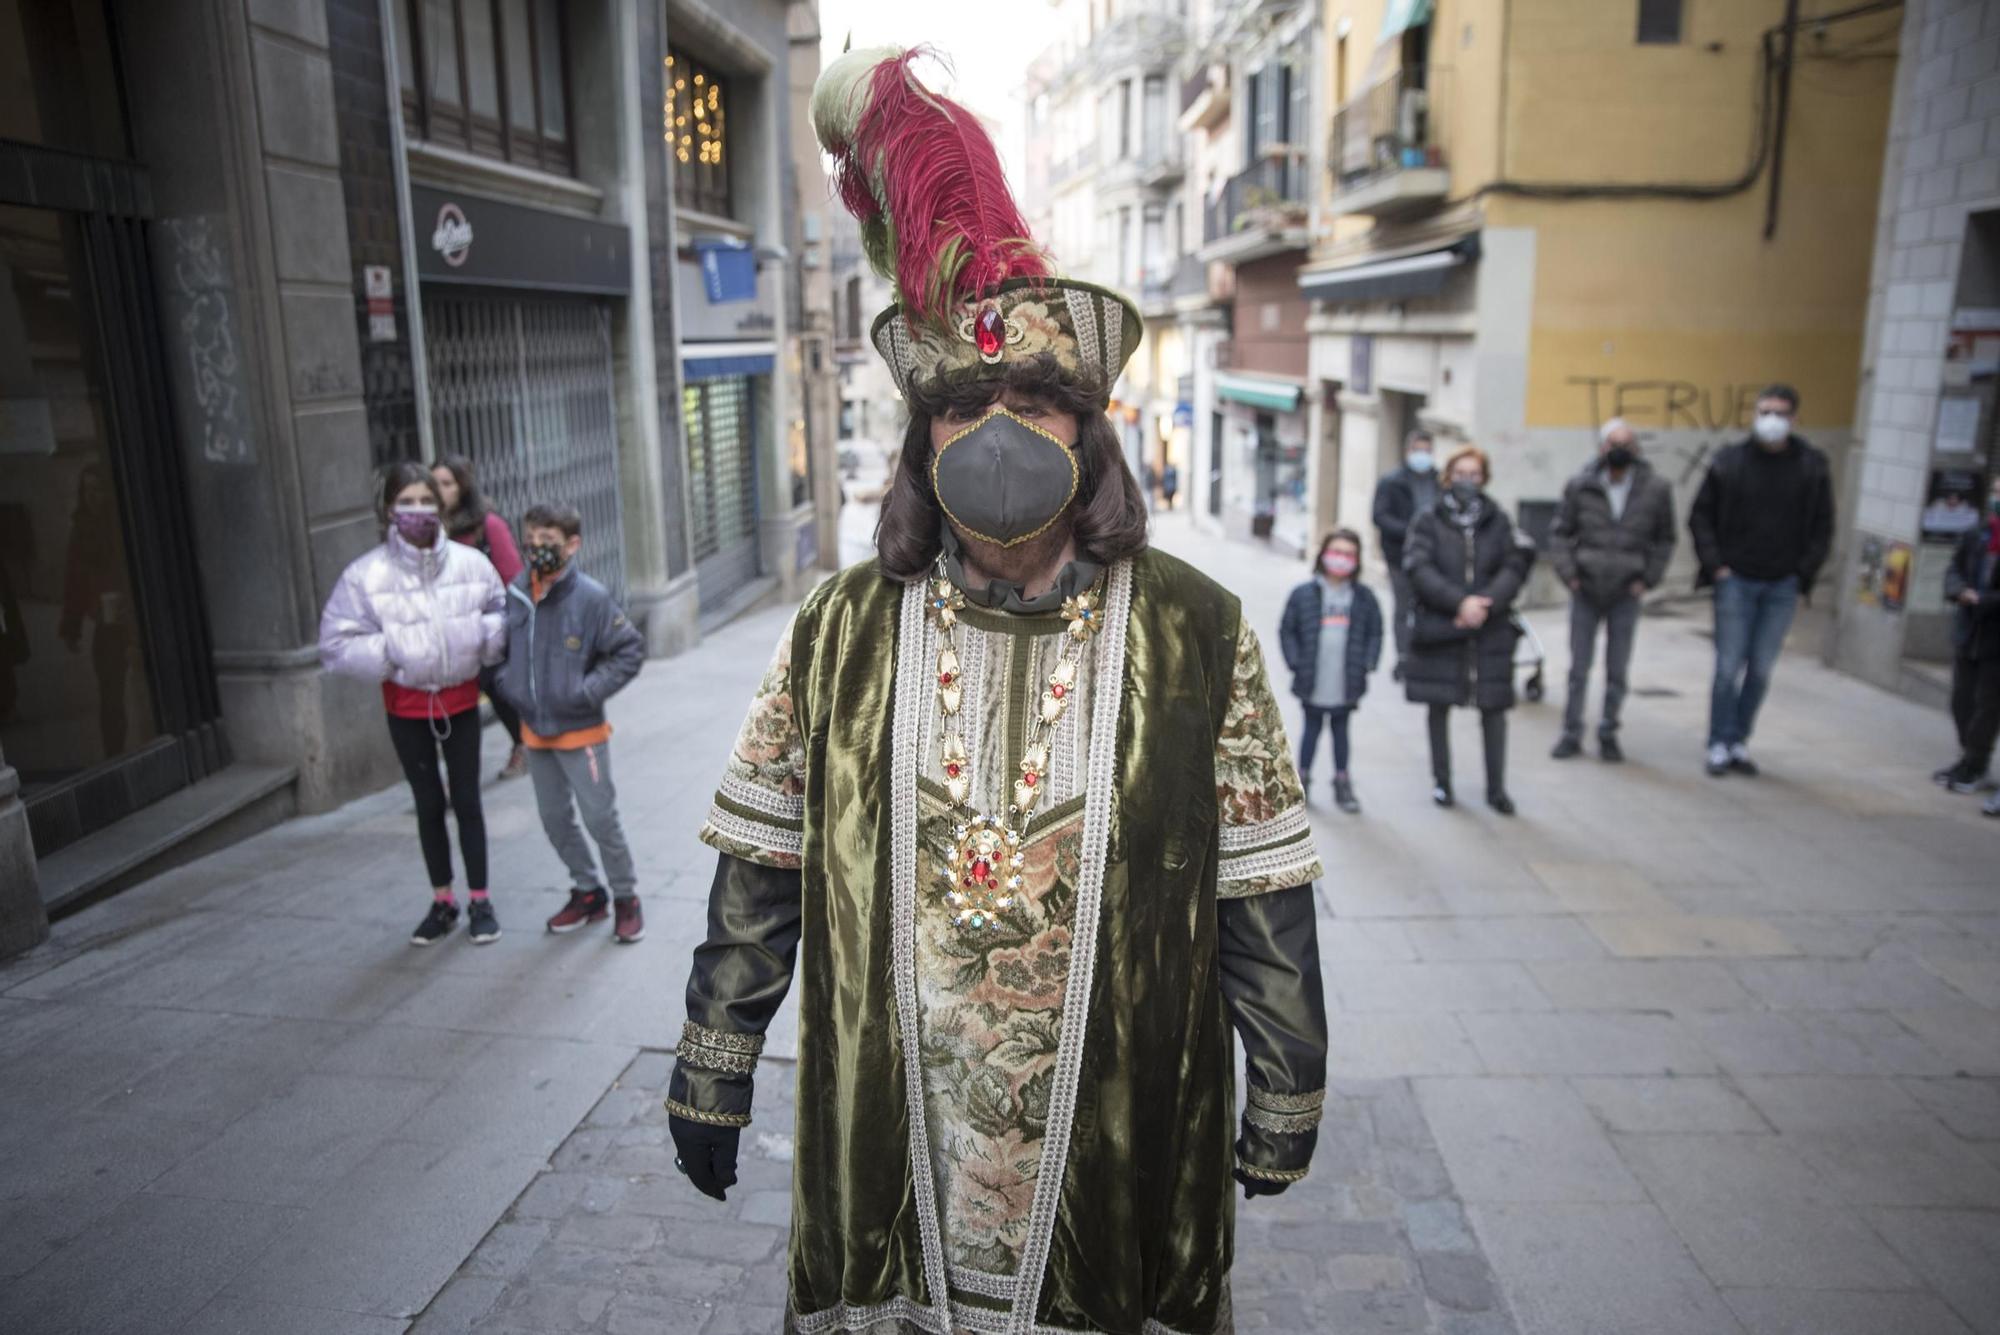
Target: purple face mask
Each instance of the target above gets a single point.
(418, 525)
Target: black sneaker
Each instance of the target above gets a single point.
(1609, 751)
(1566, 749)
(1501, 803)
(480, 924)
(1441, 793)
(1965, 781)
(437, 924)
(1943, 777)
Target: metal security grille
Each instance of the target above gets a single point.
(522, 386)
(722, 483)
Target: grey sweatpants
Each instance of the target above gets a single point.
(1621, 626)
(568, 782)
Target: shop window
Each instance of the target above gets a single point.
(489, 76)
(697, 130)
(1660, 21)
(59, 74)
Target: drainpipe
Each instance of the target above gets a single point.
(413, 303)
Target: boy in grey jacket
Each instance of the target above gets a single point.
(569, 649)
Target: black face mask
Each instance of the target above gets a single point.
(545, 558)
(1465, 493)
(1620, 457)
(1004, 480)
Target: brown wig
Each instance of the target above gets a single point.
(471, 512)
(1339, 535)
(395, 477)
(1108, 514)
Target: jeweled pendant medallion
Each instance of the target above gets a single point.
(984, 874)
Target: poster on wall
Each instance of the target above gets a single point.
(1927, 579)
(1896, 576)
(1951, 504)
(1957, 425)
(1868, 571)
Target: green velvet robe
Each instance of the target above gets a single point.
(1133, 1220)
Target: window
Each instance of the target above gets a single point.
(488, 76)
(1155, 119)
(1660, 21)
(1124, 119)
(697, 135)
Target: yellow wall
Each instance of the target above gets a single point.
(1673, 312)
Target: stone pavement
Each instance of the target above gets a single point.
(1664, 1054)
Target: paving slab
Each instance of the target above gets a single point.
(1670, 936)
(1756, 1216)
(1804, 1312)
(1586, 1044)
(1954, 1251)
(1652, 1104)
(1639, 985)
(1523, 1140)
(1602, 1269)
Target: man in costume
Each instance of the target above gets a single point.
(1014, 801)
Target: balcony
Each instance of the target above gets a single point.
(1204, 98)
(1385, 155)
(1261, 211)
(1151, 166)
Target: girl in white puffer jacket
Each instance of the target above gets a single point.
(422, 614)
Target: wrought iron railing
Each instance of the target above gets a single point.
(1391, 127)
(1268, 191)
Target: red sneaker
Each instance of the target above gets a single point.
(584, 906)
(631, 924)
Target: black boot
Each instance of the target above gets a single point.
(1343, 795)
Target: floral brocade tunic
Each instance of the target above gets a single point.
(992, 999)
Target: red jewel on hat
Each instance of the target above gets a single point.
(980, 870)
(1058, 691)
(1029, 778)
(992, 884)
(944, 679)
(989, 332)
(952, 770)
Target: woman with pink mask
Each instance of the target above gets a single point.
(1331, 635)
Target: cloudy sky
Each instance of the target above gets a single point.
(988, 46)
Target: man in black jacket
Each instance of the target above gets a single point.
(1972, 587)
(1399, 498)
(1611, 541)
(1762, 525)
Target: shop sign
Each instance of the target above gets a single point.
(497, 243)
(379, 289)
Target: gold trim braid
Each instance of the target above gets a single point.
(1285, 1114)
(718, 1049)
(681, 1110)
(1271, 1174)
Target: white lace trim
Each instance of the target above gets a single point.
(844, 1318)
(964, 1279)
(1288, 824)
(756, 834)
(913, 687)
(759, 798)
(1298, 857)
(1100, 776)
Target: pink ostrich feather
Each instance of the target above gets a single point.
(926, 163)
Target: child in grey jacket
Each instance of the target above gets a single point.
(570, 648)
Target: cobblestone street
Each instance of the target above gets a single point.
(1665, 1055)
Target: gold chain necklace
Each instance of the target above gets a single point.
(984, 874)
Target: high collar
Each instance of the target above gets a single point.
(423, 560)
(1465, 516)
(1001, 596)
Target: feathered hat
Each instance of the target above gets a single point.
(973, 289)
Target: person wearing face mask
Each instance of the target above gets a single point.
(1399, 498)
(1466, 565)
(1972, 587)
(1611, 540)
(1013, 801)
(422, 615)
(1331, 636)
(1762, 525)
(570, 648)
(470, 520)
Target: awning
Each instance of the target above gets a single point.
(713, 361)
(1403, 14)
(1278, 396)
(1420, 275)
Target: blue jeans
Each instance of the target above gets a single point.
(1336, 723)
(1751, 618)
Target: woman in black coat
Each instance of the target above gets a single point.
(1466, 566)
(1334, 608)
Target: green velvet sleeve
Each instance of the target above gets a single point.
(740, 976)
(1268, 951)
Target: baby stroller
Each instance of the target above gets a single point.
(1528, 654)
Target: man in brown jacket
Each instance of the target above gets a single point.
(1611, 541)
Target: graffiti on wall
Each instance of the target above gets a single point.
(1670, 405)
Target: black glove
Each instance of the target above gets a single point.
(1258, 1186)
(706, 1154)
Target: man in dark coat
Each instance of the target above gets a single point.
(1399, 498)
(1972, 587)
(1762, 525)
(1611, 541)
